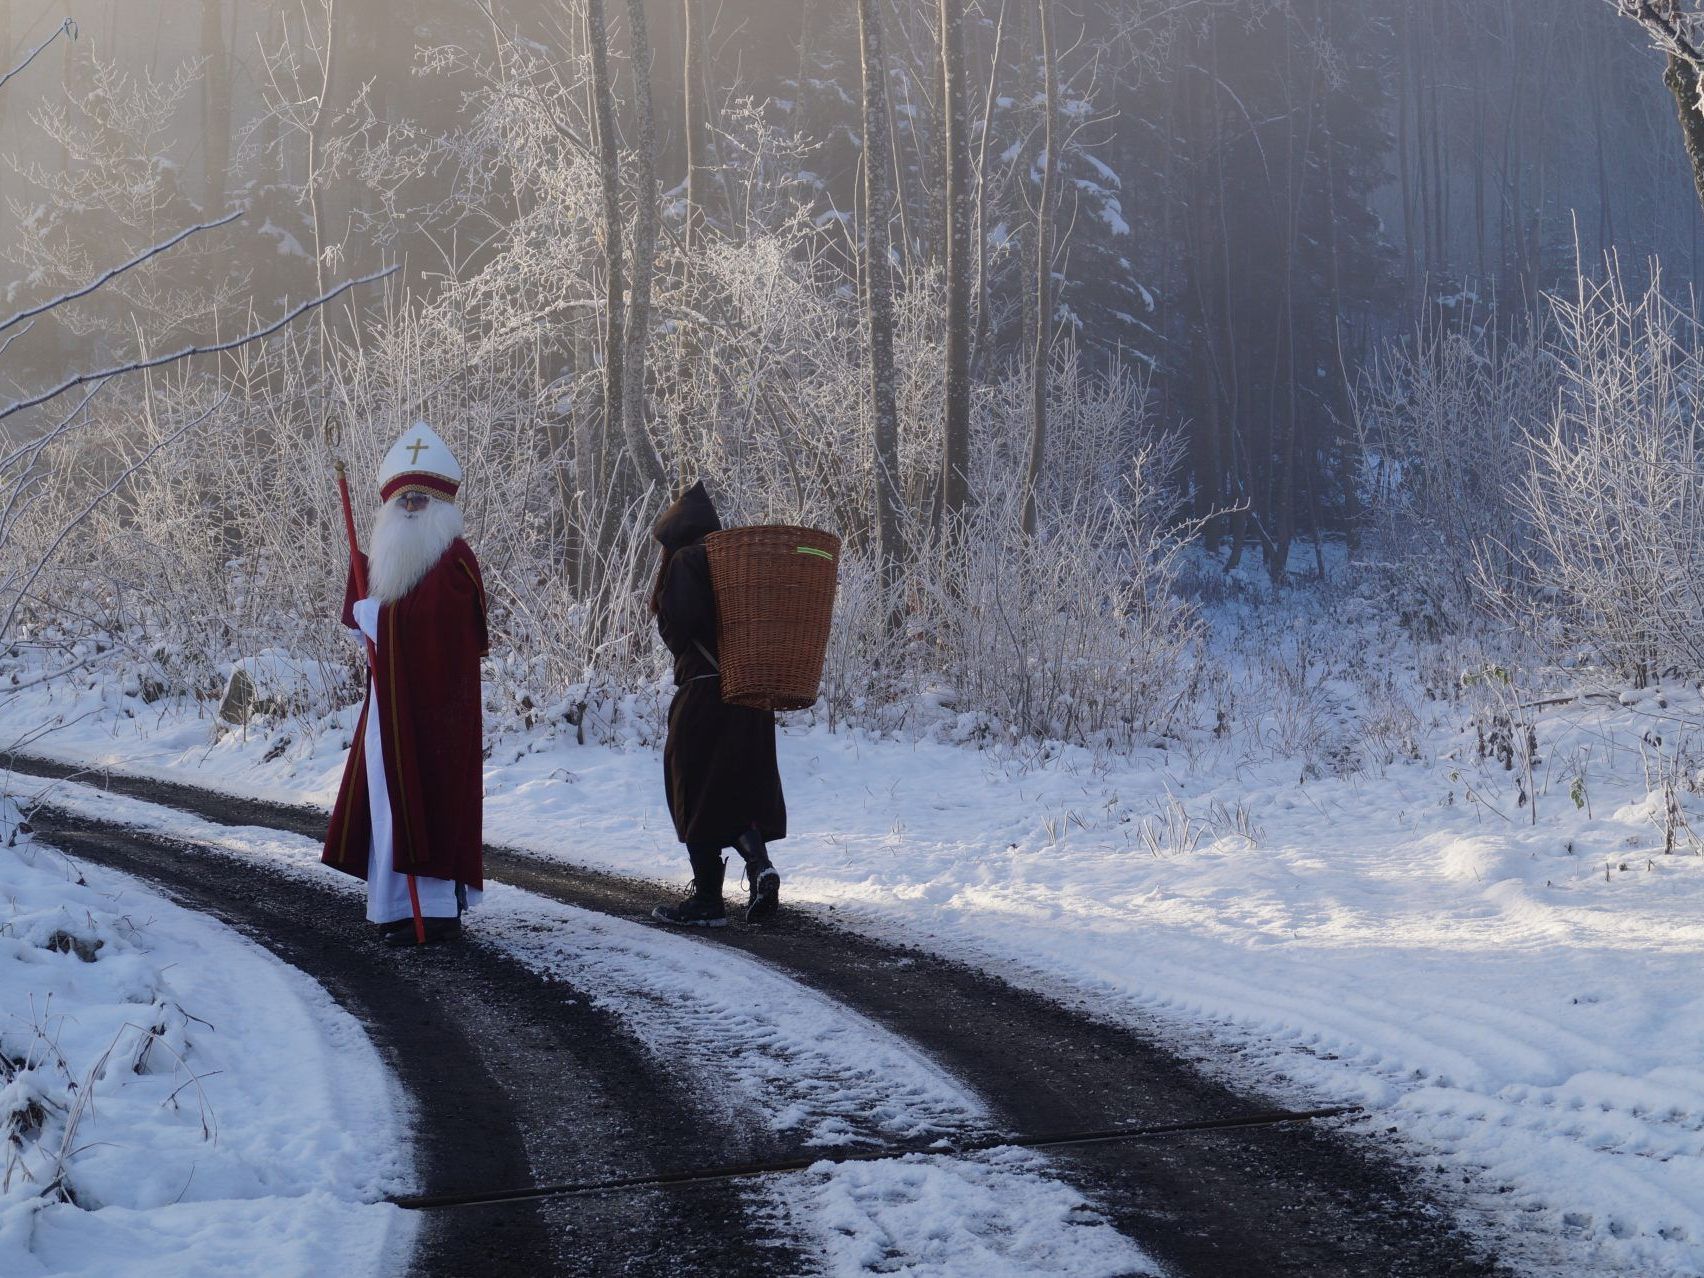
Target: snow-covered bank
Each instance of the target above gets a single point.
(1519, 1000)
(182, 1102)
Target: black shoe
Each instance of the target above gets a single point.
(765, 895)
(439, 931)
(761, 876)
(695, 911)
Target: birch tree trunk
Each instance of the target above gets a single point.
(1043, 362)
(955, 433)
(645, 216)
(878, 289)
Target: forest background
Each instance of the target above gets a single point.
(1163, 288)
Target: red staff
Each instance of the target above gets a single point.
(358, 570)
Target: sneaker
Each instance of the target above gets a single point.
(765, 895)
(695, 911)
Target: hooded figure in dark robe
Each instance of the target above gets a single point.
(719, 769)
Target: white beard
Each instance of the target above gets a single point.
(405, 546)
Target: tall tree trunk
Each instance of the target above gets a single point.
(1682, 79)
(215, 104)
(6, 59)
(878, 287)
(1606, 207)
(645, 217)
(694, 120)
(955, 433)
(1405, 88)
(703, 124)
(1481, 137)
(1041, 369)
(980, 342)
(609, 168)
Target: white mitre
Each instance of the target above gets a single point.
(420, 462)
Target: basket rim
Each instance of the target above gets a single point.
(747, 530)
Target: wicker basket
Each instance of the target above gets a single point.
(774, 601)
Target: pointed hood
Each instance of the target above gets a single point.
(692, 516)
(420, 461)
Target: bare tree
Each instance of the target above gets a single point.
(23, 459)
(215, 103)
(955, 434)
(1042, 367)
(701, 124)
(5, 48)
(645, 217)
(694, 123)
(878, 286)
(614, 262)
(984, 305)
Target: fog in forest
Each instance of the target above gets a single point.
(1251, 196)
(1209, 243)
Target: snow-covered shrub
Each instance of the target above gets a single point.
(120, 185)
(83, 1013)
(1445, 419)
(1075, 634)
(1614, 496)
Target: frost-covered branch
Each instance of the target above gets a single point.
(1673, 30)
(190, 352)
(66, 30)
(108, 276)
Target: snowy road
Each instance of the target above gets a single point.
(816, 1044)
(509, 1077)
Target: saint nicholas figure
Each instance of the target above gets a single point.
(409, 811)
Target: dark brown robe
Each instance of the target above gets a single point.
(719, 765)
(430, 643)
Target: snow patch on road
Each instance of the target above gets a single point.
(777, 1051)
(996, 1215)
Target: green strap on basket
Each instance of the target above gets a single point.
(812, 550)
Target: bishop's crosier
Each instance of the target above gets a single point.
(409, 812)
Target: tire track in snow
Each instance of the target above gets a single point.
(764, 1046)
(791, 1067)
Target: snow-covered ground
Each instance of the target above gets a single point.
(1341, 893)
(767, 1050)
(173, 1100)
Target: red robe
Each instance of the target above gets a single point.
(430, 643)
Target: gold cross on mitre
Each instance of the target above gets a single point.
(415, 449)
